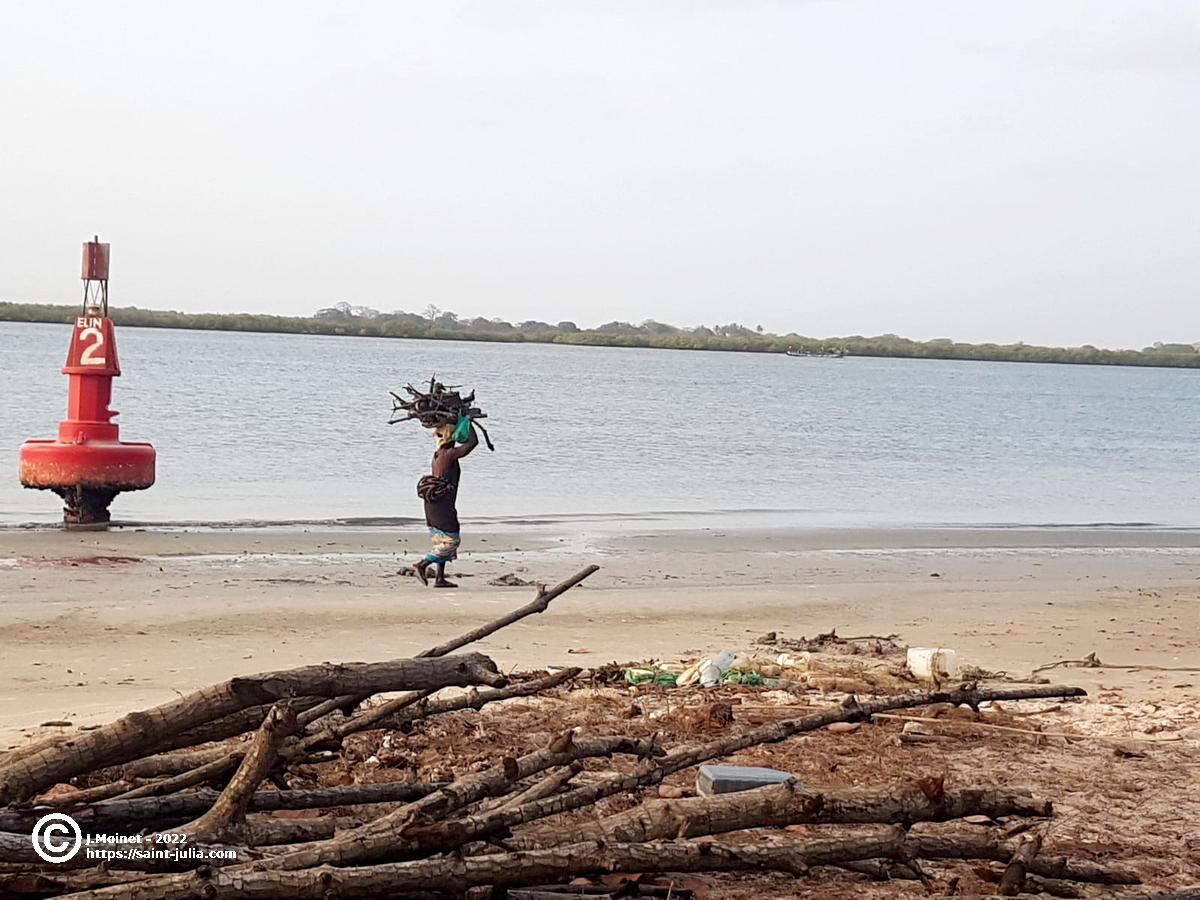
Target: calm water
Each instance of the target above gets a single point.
(282, 428)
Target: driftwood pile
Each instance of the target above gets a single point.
(210, 772)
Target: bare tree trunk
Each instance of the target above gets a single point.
(48, 883)
(17, 848)
(504, 869)
(200, 775)
(168, 764)
(155, 813)
(453, 873)
(780, 805)
(90, 795)
(132, 735)
(267, 831)
(219, 823)
(879, 870)
(982, 846)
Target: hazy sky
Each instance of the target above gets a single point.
(984, 171)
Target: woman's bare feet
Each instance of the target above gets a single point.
(441, 581)
(419, 571)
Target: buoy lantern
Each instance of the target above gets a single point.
(88, 465)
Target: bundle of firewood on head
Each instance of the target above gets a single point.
(441, 405)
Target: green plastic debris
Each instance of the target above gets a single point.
(750, 678)
(656, 676)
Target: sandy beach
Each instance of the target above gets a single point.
(93, 624)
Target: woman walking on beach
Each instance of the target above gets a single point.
(439, 490)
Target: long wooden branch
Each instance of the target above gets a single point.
(555, 864)
(348, 848)
(17, 848)
(266, 831)
(393, 714)
(239, 722)
(220, 821)
(210, 771)
(984, 846)
(365, 719)
(880, 870)
(128, 737)
(780, 805)
(546, 787)
(55, 882)
(538, 604)
(90, 795)
(503, 869)
(475, 699)
(167, 764)
(119, 816)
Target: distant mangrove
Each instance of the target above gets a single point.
(437, 324)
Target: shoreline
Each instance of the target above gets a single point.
(151, 542)
(94, 624)
(666, 521)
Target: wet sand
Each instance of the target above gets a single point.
(93, 624)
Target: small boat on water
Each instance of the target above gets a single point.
(823, 353)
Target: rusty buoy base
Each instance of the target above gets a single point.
(87, 475)
(85, 506)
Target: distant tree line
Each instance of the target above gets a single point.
(438, 324)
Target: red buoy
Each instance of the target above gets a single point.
(88, 465)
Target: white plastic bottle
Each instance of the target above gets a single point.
(710, 675)
(933, 663)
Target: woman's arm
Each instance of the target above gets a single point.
(464, 449)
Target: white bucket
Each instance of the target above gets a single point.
(923, 662)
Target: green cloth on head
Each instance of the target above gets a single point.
(462, 431)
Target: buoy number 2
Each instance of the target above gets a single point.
(89, 357)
